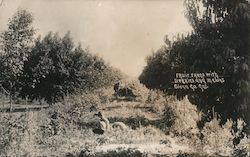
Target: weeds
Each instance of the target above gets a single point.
(65, 129)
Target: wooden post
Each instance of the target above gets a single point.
(10, 102)
(215, 119)
(2, 93)
(10, 95)
(40, 101)
(26, 103)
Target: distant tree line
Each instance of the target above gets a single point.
(220, 42)
(50, 67)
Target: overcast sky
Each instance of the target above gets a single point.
(123, 32)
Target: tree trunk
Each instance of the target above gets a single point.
(10, 95)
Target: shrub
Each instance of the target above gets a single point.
(220, 139)
(168, 119)
(217, 138)
(132, 90)
(157, 100)
(106, 94)
(13, 128)
(181, 117)
(75, 111)
(132, 121)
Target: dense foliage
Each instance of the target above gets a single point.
(56, 68)
(48, 68)
(219, 42)
(15, 47)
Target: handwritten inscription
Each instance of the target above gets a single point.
(194, 81)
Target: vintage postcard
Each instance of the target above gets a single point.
(124, 78)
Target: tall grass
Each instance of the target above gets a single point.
(66, 129)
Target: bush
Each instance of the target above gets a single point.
(169, 117)
(105, 94)
(221, 140)
(132, 90)
(75, 111)
(181, 117)
(132, 122)
(241, 153)
(13, 128)
(64, 128)
(157, 100)
(217, 138)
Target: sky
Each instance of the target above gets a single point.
(123, 32)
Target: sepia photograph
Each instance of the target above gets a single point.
(124, 78)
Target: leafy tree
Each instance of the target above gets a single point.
(219, 42)
(52, 70)
(223, 28)
(101, 74)
(157, 68)
(57, 68)
(15, 44)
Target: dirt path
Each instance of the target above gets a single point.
(150, 148)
